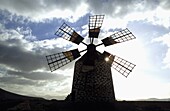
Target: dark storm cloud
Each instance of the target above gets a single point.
(16, 57)
(24, 62)
(19, 53)
(31, 78)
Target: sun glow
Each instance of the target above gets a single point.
(106, 59)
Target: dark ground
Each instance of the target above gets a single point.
(14, 102)
(54, 105)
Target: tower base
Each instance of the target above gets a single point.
(92, 82)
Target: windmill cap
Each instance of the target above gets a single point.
(91, 48)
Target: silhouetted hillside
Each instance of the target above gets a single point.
(5, 95)
(14, 102)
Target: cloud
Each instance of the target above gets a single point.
(23, 63)
(20, 81)
(14, 51)
(165, 40)
(118, 13)
(19, 51)
(114, 8)
(17, 58)
(117, 8)
(39, 10)
(165, 4)
(38, 75)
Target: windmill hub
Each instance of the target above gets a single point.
(91, 48)
(91, 55)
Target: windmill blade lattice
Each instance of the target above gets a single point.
(69, 34)
(122, 66)
(118, 37)
(95, 23)
(55, 61)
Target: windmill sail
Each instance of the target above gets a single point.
(118, 37)
(58, 60)
(95, 23)
(69, 34)
(122, 66)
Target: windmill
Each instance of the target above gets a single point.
(92, 80)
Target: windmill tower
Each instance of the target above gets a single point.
(92, 80)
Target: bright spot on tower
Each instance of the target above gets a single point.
(106, 59)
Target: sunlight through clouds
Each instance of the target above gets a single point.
(140, 86)
(165, 40)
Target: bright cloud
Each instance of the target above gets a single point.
(165, 40)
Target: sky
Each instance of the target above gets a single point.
(27, 30)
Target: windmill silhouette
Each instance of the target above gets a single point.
(92, 80)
